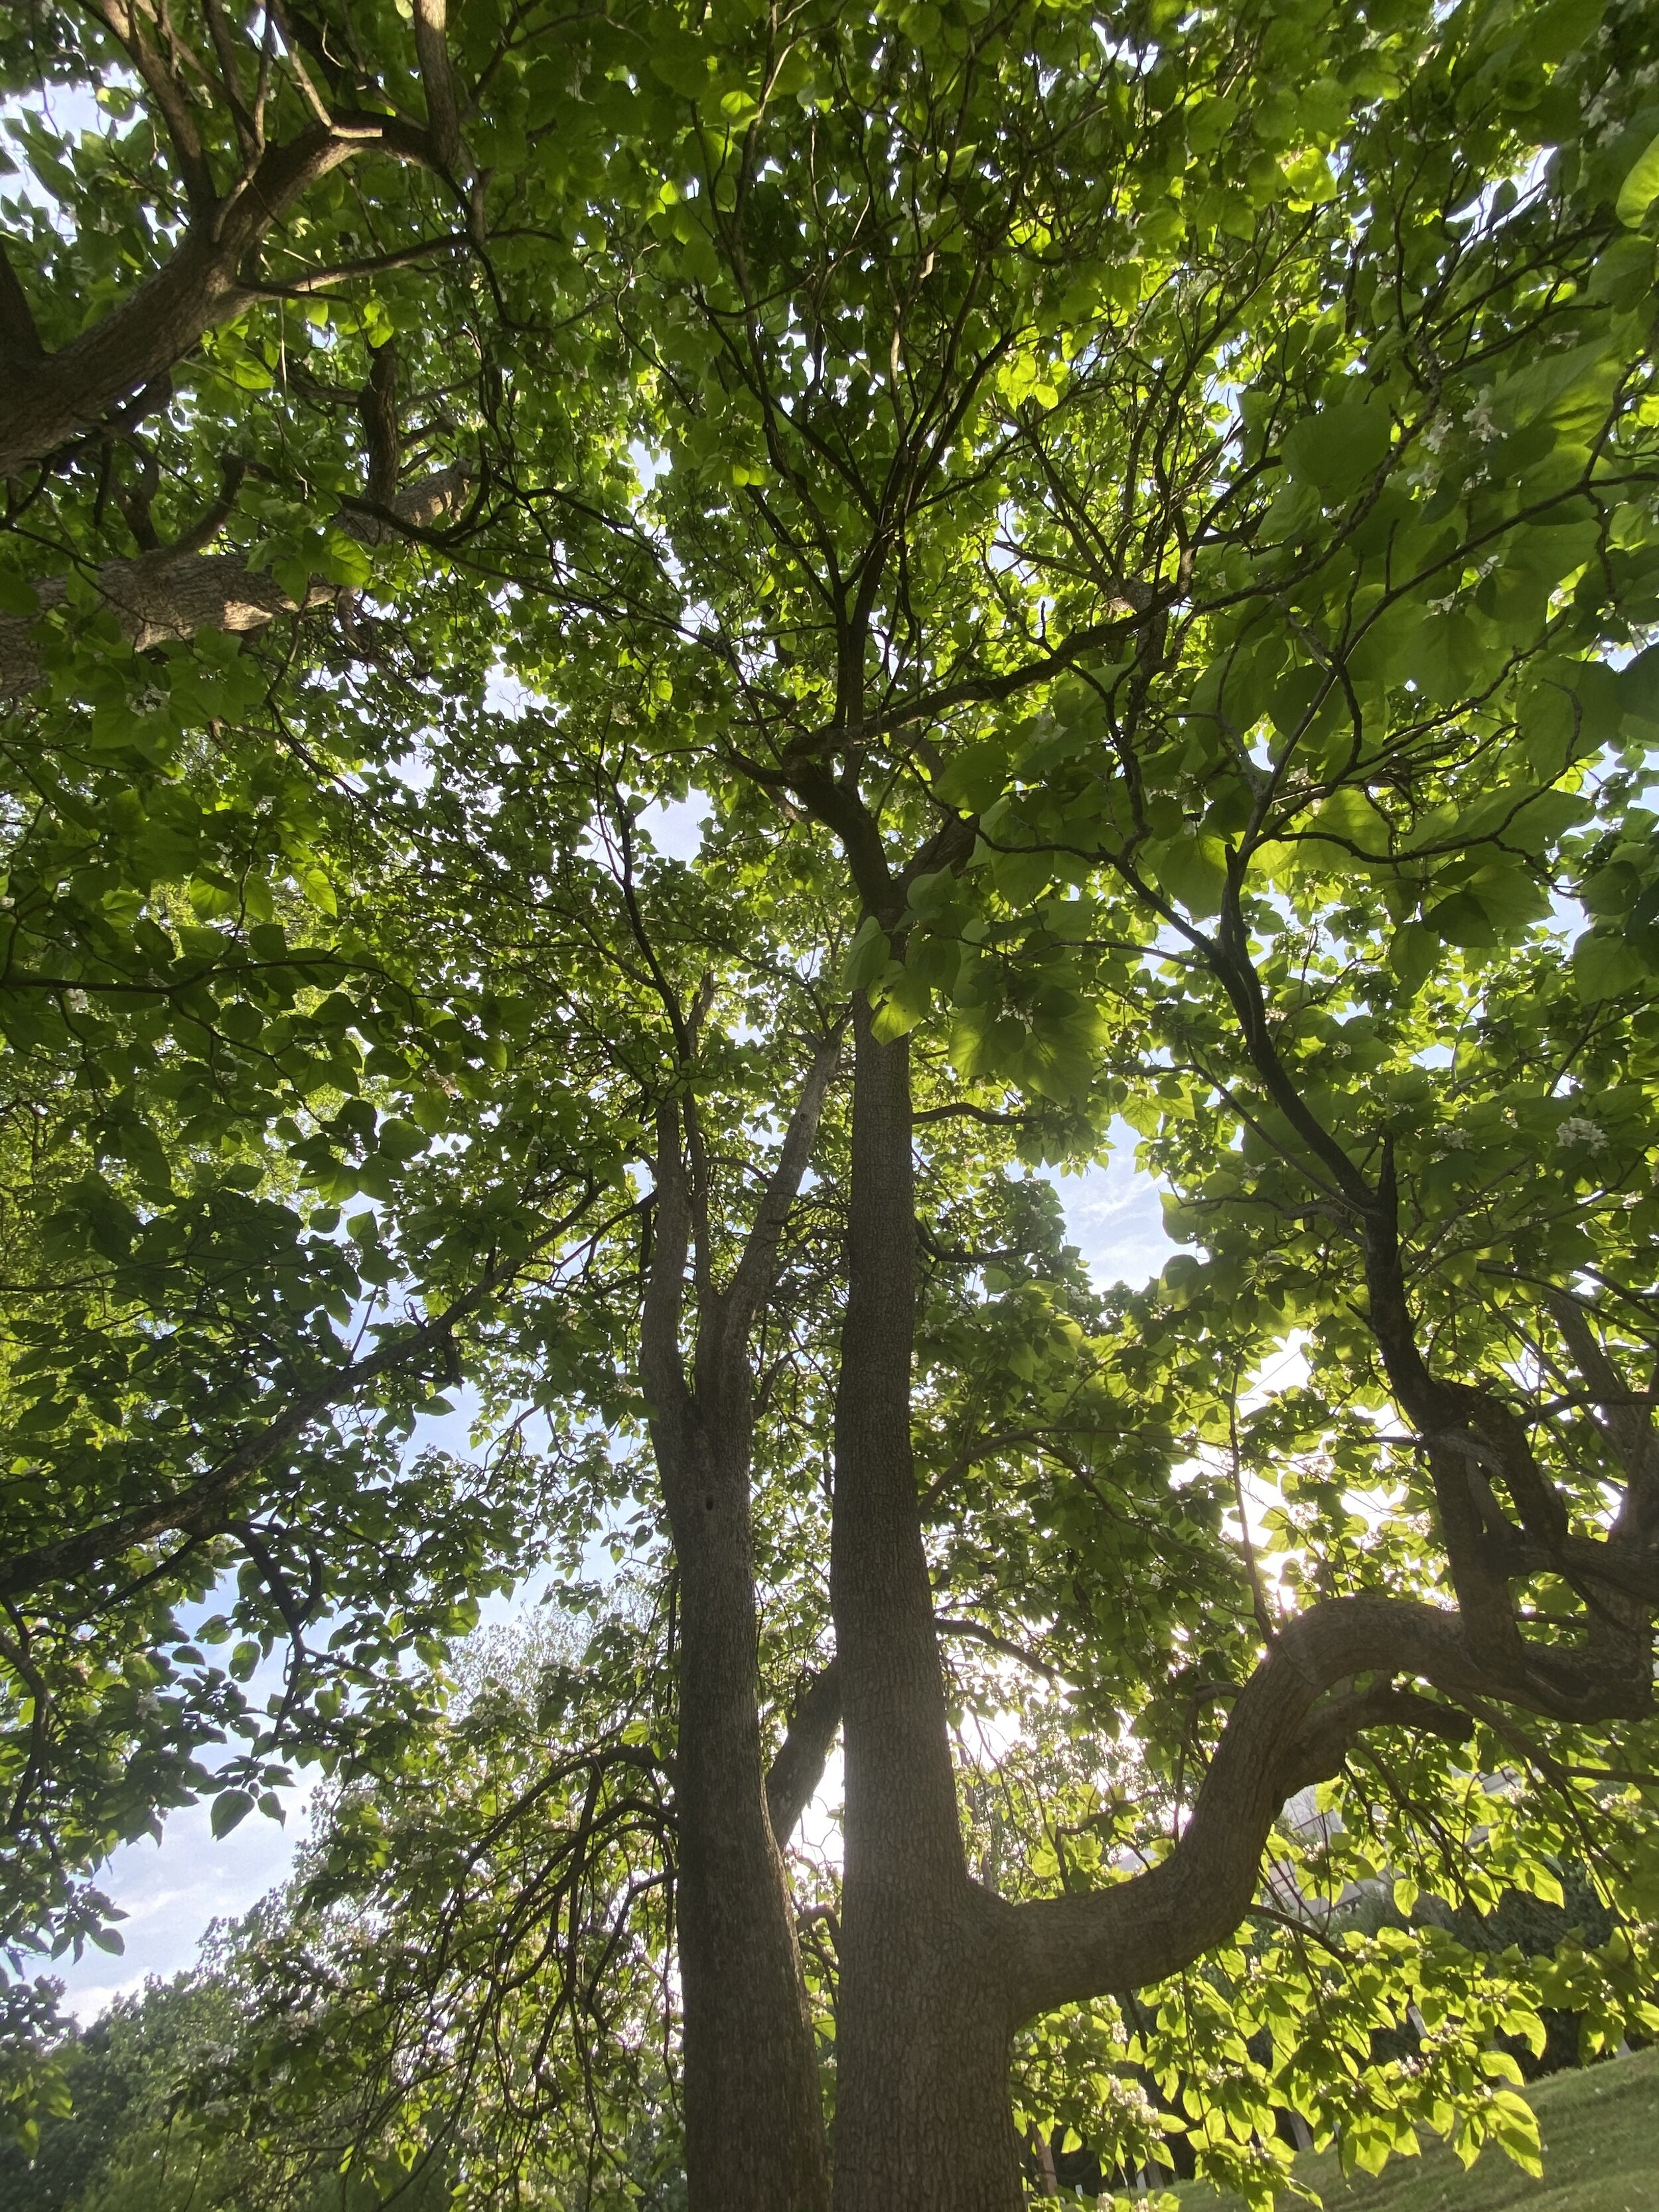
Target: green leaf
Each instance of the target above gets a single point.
(1641, 186)
(867, 956)
(973, 776)
(230, 1807)
(319, 891)
(1638, 686)
(1348, 828)
(681, 62)
(1191, 871)
(901, 1000)
(1336, 449)
(1413, 951)
(1463, 919)
(1602, 967)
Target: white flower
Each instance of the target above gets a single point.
(1456, 1140)
(1576, 1130)
(1481, 420)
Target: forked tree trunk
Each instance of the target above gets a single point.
(754, 2126)
(922, 2109)
(754, 2120)
(935, 1972)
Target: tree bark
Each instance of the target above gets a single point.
(169, 595)
(754, 2127)
(798, 1768)
(1284, 1733)
(46, 400)
(922, 2111)
(754, 2123)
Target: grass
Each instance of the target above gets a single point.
(1600, 2135)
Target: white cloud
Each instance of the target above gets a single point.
(171, 1891)
(1114, 1217)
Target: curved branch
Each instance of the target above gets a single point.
(48, 400)
(1468, 1434)
(1283, 1733)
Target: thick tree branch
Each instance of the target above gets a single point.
(662, 1363)
(129, 23)
(1470, 1436)
(1629, 1423)
(20, 341)
(1283, 1733)
(798, 1768)
(976, 1632)
(47, 401)
(438, 82)
(381, 436)
(836, 803)
(177, 590)
(757, 1270)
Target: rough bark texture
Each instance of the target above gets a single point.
(754, 2132)
(48, 400)
(922, 2116)
(754, 2127)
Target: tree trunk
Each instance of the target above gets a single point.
(936, 1972)
(754, 2120)
(922, 2111)
(46, 400)
(754, 2126)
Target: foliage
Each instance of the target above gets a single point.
(1171, 498)
(1596, 2127)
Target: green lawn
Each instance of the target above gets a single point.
(1600, 2132)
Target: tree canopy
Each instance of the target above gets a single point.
(1133, 534)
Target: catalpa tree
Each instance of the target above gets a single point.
(1135, 533)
